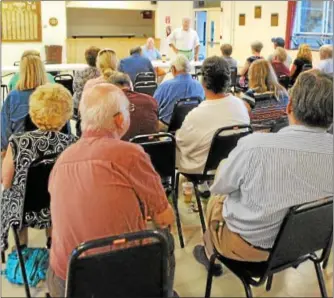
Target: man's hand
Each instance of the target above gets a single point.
(174, 48)
(196, 57)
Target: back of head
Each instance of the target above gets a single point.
(257, 46)
(91, 55)
(120, 79)
(216, 74)
(106, 62)
(262, 78)
(226, 49)
(100, 104)
(326, 52)
(280, 54)
(312, 99)
(181, 63)
(304, 52)
(50, 107)
(32, 71)
(136, 50)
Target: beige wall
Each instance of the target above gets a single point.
(256, 29)
(107, 22)
(139, 5)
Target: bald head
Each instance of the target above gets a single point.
(104, 107)
(186, 21)
(150, 43)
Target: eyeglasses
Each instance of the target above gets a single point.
(131, 108)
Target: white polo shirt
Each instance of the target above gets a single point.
(184, 40)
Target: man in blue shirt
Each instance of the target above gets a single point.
(135, 64)
(150, 52)
(181, 86)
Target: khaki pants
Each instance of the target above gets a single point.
(227, 243)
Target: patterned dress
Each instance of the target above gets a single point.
(26, 148)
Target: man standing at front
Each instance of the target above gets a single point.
(185, 40)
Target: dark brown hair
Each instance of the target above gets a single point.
(226, 49)
(90, 55)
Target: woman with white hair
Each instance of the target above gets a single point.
(181, 86)
(110, 178)
(326, 57)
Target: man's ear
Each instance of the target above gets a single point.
(289, 107)
(119, 120)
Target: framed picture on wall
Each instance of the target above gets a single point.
(258, 12)
(274, 19)
(242, 19)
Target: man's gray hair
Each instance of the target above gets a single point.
(312, 99)
(181, 63)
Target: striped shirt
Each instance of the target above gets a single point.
(266, 174)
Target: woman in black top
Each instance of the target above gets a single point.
(304, 57)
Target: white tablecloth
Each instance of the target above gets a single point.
(75, 67)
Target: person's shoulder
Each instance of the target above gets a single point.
(140, 97)
(256, 141)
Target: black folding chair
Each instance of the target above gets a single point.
(161, 147)
(135, 271)
(66, 80)
(305, 230)
(145, 77)
(234, 78)
(221, 147)
(4, 89)
(284, 81)
(306, 67)
(181, 110)
(30, 126)
(147, 87)
(36, 199)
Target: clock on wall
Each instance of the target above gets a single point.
(53, 22)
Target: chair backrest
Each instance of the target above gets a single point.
(306, 229)
(17, 63)
(30, 126)
(66, 80)
(37, 196)
(181, 110)
(234, 76)
(147, 87)
(306, 67)
(161, 148)
(135, 271)
(223, 144)
(263, 96)
(145, 77)
(284, 81)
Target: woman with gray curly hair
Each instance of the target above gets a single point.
(220, 109)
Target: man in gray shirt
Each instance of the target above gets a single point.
(268, 173)
(226, 50)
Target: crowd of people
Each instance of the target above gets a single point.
(104, 185)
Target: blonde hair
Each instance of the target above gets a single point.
(326, 52)
(32, 71)
(262, 78)
(280, 54)
(50, 107)
(106, 62)
(304, 52)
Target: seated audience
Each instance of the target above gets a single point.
(16, 106)
(149, 51)
(326, 59)
(226, 50)
(82, 76)
(278, 62)
(106, 63)
(220, 109)
(50, 107)
(304, 57)
(267, 174)
(16, 77)
(280, 42)
(135, 64)
(263, 81)
(143, 108)
(181, 86)
(119, 174)
(256, 48)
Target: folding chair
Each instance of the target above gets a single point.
(30, 126)
(161, 148)
(221, 147)
(137, 270)
(4, 89)
(66, 80)
(306, 67)
(147, 87)
(234, 78)
(145, 77)
(284, 81)
(305, 230)
(181, 110)
(36, 198)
